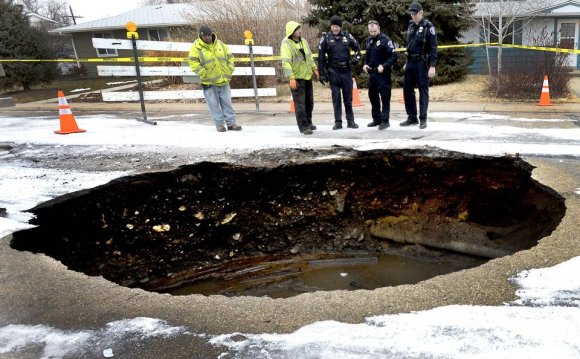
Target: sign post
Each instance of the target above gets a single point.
(250, 41)
(133, 35)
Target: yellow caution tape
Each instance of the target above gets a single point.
(541, 48)
(276, 58)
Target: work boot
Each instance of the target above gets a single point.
(410, 121)
(221, 128)
(311, 126)
(307, 131)
(384, 125)
(337, 126)
(423, 124)
(351, 125)
(373, 124)
(234, 127)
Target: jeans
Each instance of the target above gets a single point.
(219, 102)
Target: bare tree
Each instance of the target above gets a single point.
(501, 20)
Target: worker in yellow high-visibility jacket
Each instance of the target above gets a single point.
(213, 61)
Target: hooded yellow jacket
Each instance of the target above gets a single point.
(214, 63)
(294, 64)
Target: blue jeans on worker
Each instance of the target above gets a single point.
(380, 94)
(341, 80)
(219, 102)
(416, 75)
(303, 98)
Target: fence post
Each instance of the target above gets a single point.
(250, 41)
(133, 35)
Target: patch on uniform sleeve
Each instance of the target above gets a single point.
(390, 44)
(432, 30)
(321, 40)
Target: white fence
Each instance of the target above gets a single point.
(183, 70)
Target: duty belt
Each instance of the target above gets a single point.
(415, 57)
(339, 65)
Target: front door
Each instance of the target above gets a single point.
(568, 38)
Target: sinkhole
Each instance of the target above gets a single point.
(283, 222)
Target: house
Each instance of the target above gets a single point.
(554, 25)
(155, 23)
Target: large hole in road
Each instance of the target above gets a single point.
(279, 223)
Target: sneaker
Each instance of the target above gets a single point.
(337, 126)
(423, 124)
(351, 125)
(384, 125)
(307, 131)
(373, 124)
(221, 128)
(311, 126)
(234, 127)
(409, 122)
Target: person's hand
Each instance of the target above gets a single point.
(431, 71)
(380, 69)
(366, 68)
(316, 74)
(293, 84)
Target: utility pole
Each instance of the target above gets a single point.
(72, 15)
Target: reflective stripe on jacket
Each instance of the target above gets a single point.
(294, 63)
(214, 63)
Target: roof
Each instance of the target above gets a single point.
(40, 17)
(145, 17)
(528, 7)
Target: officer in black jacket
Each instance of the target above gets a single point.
(380, 57)
(421, 60)
(334, 63)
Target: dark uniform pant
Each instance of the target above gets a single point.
(303, 98)
(341, 80)
(380, 94)
(416, 75)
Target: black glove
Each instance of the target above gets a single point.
(323, 76)
(354, 60)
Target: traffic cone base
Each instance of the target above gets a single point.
(545, 96)
(68, 124)
(292, 108)
(355, 95)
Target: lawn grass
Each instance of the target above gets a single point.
(66, 84)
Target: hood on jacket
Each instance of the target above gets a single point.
(291, 26)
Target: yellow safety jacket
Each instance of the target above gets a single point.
(294, 63)
(214, 63)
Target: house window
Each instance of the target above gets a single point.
(105, 52)
(158, 34)
(513, 34)
(567, 35)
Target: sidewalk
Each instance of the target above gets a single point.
(280, 108)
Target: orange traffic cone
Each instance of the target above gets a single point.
(292, 109)
(545, 96)
(68, 123)
(355, 96)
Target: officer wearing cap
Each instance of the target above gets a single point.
(334, 63)
(421, 60)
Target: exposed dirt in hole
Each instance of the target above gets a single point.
(158, 230)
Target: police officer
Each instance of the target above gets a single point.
(334, 63)
(380, 57)
(421, 60)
